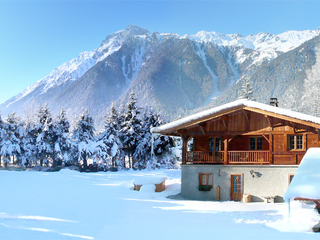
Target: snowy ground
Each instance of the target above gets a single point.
(73, 205)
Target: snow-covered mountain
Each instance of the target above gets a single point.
(174, 74)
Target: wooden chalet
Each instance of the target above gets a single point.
(244, 132)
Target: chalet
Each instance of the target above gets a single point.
(243, 150)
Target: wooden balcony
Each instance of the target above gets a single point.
(233, 157)
(248, 157)
(195, 157)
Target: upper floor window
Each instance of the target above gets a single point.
(295, 142)
(256, 143)
(214, 144)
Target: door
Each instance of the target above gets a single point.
(236, 187)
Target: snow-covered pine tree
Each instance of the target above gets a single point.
(62, 142)
(142, 153)
(112, 146)
(6, 146)
(246, 91)
(14, 131)
(85, 147)
(121, 134)
(28, 144)
(44, 131)
(2, 135)
(130, 130)
(161, 144)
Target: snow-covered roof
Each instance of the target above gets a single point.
(306, 181)
(242, 103)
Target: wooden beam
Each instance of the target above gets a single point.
(266, 138)
(245, 114)
(231, 138)
(293, 126)
(185, 139)
(182, 131)
(202, 130)
(285, 142)
(244, 133)
(271, 148)
(224, 122)
(225, 155)
(268, 119)
(305, 147)
(202, 126)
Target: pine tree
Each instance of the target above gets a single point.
(62, 142)
(44, 132)
(246, 91)
(14, 134)
(28, 145)
(144, 148)
(112, 146)
(142, 153)
(85, 141)
(130, 130)
(2, 137)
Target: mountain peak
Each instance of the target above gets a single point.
(122, 35)
(135, 30)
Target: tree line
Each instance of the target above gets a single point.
(124, 142)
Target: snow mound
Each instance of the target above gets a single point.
(306, 181)
(302, 218)
(149, 188)
(145, 180)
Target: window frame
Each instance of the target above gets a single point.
(256, 143)
(207, 184)
(215, 144)
(297, 145)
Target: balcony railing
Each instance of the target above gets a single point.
(233, 157)
(204, 157)
(247, 157)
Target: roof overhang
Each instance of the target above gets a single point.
(176, 127)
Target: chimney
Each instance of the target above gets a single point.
(274, 102)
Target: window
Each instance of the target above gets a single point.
(205, 181)
(214, 144)
(290, 178)
(295, 142)
(256, 143)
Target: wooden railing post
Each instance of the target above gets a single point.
(270, 148)
(185, 139)
(225, 155)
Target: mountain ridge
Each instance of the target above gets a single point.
(174, 74)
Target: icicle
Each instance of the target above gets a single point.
(289, 210)
(152, 140)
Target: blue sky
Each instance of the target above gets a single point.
(37, 36)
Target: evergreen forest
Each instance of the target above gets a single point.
(125, 142)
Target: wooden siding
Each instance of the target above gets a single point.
(235, 130)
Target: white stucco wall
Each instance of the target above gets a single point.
(258, 180)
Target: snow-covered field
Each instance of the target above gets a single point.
(73, 205)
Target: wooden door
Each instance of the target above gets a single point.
(236, 187)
